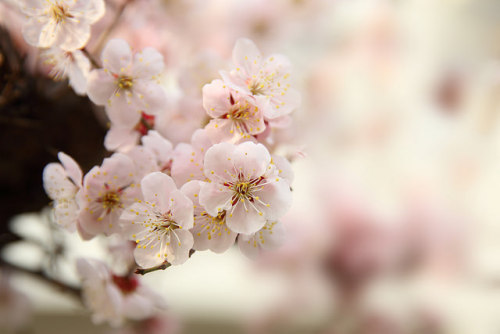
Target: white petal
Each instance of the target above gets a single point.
(278, 196)
(117, 56)
(40, 32)
(72, 34)
(149, 96)
(182, 209)
(148, 63)
(120, 138)
(56, 183)
(253, 159)
(215, 98)
(214, 198)
(246, 55)
(161, 147)
(218, 163)
(121, 111)
(72, 168)
(157, 188)
(147, 256)
(100, 87)
(181, 242)
(243, 218)
(120, 170)
(144, 161)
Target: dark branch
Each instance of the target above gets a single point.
(75, 291)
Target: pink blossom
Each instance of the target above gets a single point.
(270, 237)
(235, 116)
(180, 119)
(127, 85)
(15, 307)
(161, 148)
(160, 223)
(245, 184)
(113, 298)
(265, 79)
(107, 190)
(62, 23)
(209, 232)
(189, 158)
(122, 138)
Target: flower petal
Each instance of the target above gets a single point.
(117, 56)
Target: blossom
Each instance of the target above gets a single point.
(245, 183)
(188, 159)
(122, 138)
(61, 23)
(73, 65)
(265, 79)
(160, 223)
(113, 298)
(181, 118)
(127, 85)
(62, 183)
(15, 307)
(209, 232)
(107, 190)
(161, 148)
(236, 116)
(270, 237)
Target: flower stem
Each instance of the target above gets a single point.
(163, 266)
(105, 34)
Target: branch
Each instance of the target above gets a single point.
(163, 266)
(144, 271)
(91, 57)
(76, 292)
(105, 34)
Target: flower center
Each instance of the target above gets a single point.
(245, 189)
(238, 113)
(126, 284)
(256, 87)
(164, 221)
(110, 200)
(125, 82)
(242, 189)
(59, 12)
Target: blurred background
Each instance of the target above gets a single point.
(395, 226)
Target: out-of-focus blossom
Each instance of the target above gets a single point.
(127, 85)
(15, 308)
(112, 298)
(60, 23)
(72, 65)
(245, 184)
(62, 182)
(160, 223)
(209, 232)
(107, 190)
(265, 79)
(180, 119)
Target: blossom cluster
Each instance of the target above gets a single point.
(170, 198)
